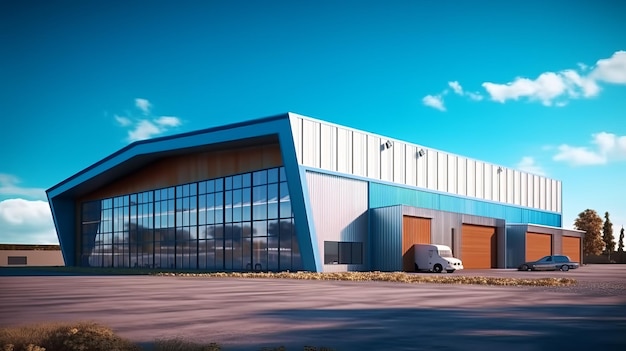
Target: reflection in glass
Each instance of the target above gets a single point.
(248, 226)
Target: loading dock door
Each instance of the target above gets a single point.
(415, 230)
(479, 246)
(571, 248)
(537, 246)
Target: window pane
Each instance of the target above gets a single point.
(272, 175)
(331, 252)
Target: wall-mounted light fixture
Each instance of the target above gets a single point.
(388, 144)
(499, 169)
(421, 152)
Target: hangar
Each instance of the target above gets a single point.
(290, 192)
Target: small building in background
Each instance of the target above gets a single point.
(24, 255)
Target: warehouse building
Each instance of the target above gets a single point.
(290, 192)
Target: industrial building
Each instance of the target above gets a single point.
(27, 255)
(290, 192)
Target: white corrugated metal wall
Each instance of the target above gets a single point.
(339, 207)
(340, 149)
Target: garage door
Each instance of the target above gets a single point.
(571, 248)
(538, 245)
(415, 230)
(478, 246)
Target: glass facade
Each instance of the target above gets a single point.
(242, 222)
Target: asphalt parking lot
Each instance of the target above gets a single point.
(248, 314)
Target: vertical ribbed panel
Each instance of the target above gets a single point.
(471, 179)
(386, 238)
(310, 143)
(359, 161)
(386, 159)
(334, 148)
(515, 245)
(339, 207)
(344, 151)
(374, 147)
(442, 171)
(328, 146)
(399, 163)
(410, 171)
(461, 176)
(296, 130)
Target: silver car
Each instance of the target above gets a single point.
(550, 263)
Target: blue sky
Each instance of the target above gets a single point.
(534, 85)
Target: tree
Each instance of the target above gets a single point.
(607, 235)
(620, 244)
(589, 222)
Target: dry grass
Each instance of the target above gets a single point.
(87, 336)
(63, 337)
(398, 277)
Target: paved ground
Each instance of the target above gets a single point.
(247, 314)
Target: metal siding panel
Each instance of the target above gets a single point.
(480, 180)
(516, 188)
(339, 206)
(452, 176)
(373, 156)
(461, 176)
(328, 147)
(311, 143)
(536, 191)
(548, 194)
(471, 178)
(344, 150)
(559, 196)
(296, 131)
(410, 164)
(431, 178)
(515, 250)
(386, 160)
(488, 180)
(386, 238)
(442, 171)
(542, 193)
(388, 195)
(523, 189)
(399, 162)
(508, 186)
(553, 196)
(359, 158)
(422, 170)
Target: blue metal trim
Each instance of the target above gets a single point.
(301, 205)
(63, 215)
(145, 145)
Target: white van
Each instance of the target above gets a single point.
(435, 258)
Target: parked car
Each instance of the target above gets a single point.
(550, 263)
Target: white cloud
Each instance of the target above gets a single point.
(144, 105)
(148, 125)
(26, 222)
(9, 186)
(611, 70)
(608, 147)
(144, 129)
(578, 156)
(527, 164)
(434, 101)
(168, 121)
(456, 87)
(123, 121)
(555, 88)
